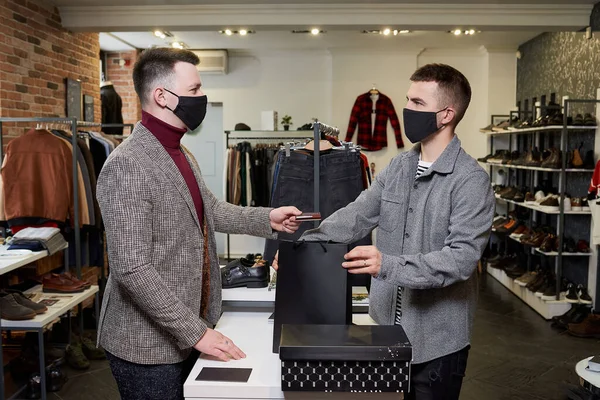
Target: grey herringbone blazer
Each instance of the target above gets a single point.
(151, 307)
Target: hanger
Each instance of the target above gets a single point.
(374, 90)
(323, 145)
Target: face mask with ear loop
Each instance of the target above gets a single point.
(191, 110)
(420, 124)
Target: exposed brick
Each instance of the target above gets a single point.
(13, 60)
(57, 49)
(40, 67)
(73, 61)
(19, 35)
(21, 88)
(39, 50)
(20, 53)
(34, 40)
(34, 74)
(19, 18)
(22, 106)
(53, 24)
(33, 7)
(52, 85)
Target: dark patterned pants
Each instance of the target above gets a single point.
(151, 382)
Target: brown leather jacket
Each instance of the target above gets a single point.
(37, 177)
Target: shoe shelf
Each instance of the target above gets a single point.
(555, 254)
(11, 260)
(543, 209)
(537, 168)
(66, 301)
(541, 129)
(546, 308)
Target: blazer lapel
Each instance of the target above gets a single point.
(159, 155)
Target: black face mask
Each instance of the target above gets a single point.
(191, 110)
(420, 124)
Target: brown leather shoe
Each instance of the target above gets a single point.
(55, 283)
(589, 328)
(554, 160)
(76, 281)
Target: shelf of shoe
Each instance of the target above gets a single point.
(540, 128)
(538, 168)
(66, 302)
(546, 308)
(10, 262)
(555, 254)
(544, 210)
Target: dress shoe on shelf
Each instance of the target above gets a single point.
(589, 120)
(77, 281)
(585, 206)
(583, 246)
(569, 245)
(576, 204)
(554, 159)
(75, 357)
(11, 309)
(90, 350)
(578, 120)
(550, 281)
(527, 277)
(548, 244)
(582, 293)
(588, 328)
(551, 203)
(575, 315)
(55, 283)
(24, 300)
(572, 296)
(576, 160)
(255, 276)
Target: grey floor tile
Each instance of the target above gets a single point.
(87, 387)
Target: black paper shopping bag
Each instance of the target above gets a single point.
(312, 286)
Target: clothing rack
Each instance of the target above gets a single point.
(74, 123)
(228, 138)
(130, 126)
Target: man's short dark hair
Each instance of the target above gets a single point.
(453, 88)
(155, 67)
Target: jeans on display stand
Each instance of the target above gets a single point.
(293, 185)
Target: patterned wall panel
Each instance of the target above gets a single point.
(565, 63)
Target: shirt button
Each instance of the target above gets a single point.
(406, 235)
(410, 210)
(415, 186)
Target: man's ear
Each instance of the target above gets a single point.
(448, 116)
(158, 95)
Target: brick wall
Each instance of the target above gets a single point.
(119, 69)
(36, 55)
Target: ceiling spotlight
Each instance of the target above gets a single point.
(243, 32)
(472, 32)
(387, 31)
(177, 45)
(403, 31)
(228, 32)
(395, 32)
(158, 33)
(315, 31)
(457, 32)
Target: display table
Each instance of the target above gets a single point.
(253, 333)
(589, 379)
(13, 259)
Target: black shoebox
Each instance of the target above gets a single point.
(345, 358)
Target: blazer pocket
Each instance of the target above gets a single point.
(391, 212)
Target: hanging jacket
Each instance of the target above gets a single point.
(111, 109)
(368, 138)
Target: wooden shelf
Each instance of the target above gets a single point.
(13, 259)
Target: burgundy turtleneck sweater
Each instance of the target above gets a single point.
(170, 137)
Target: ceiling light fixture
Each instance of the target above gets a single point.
(467, 32)
(472, 32)
(243, 32)
(315, 31)
(228, 32)
(177, 45)
(457, 32)
(387, 31)
(404, 31)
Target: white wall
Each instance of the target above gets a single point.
(325, 85)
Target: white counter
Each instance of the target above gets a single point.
(593, 378)
(253, 333)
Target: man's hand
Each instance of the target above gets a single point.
(218, 345)
(283, 219)
(363, 260)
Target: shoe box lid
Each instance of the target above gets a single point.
(344, 343)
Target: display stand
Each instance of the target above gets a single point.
(588, 379)
(40, 322)
(547, 311)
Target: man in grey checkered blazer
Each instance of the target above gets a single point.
(163, 294)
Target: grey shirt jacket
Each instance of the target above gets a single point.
(151, 306)
(432, 233)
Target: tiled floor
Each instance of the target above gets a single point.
(514, 355)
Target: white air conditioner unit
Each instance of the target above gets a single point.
(212, 61)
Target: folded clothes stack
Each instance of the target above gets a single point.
(38, 239)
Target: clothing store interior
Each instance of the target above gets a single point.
(306, 108)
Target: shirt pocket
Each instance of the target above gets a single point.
(391, 212)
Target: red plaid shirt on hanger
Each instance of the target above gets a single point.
(368, 138)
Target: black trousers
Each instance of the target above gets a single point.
(439, 379)
(151, 382)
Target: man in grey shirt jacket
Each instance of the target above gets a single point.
(434, 208)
